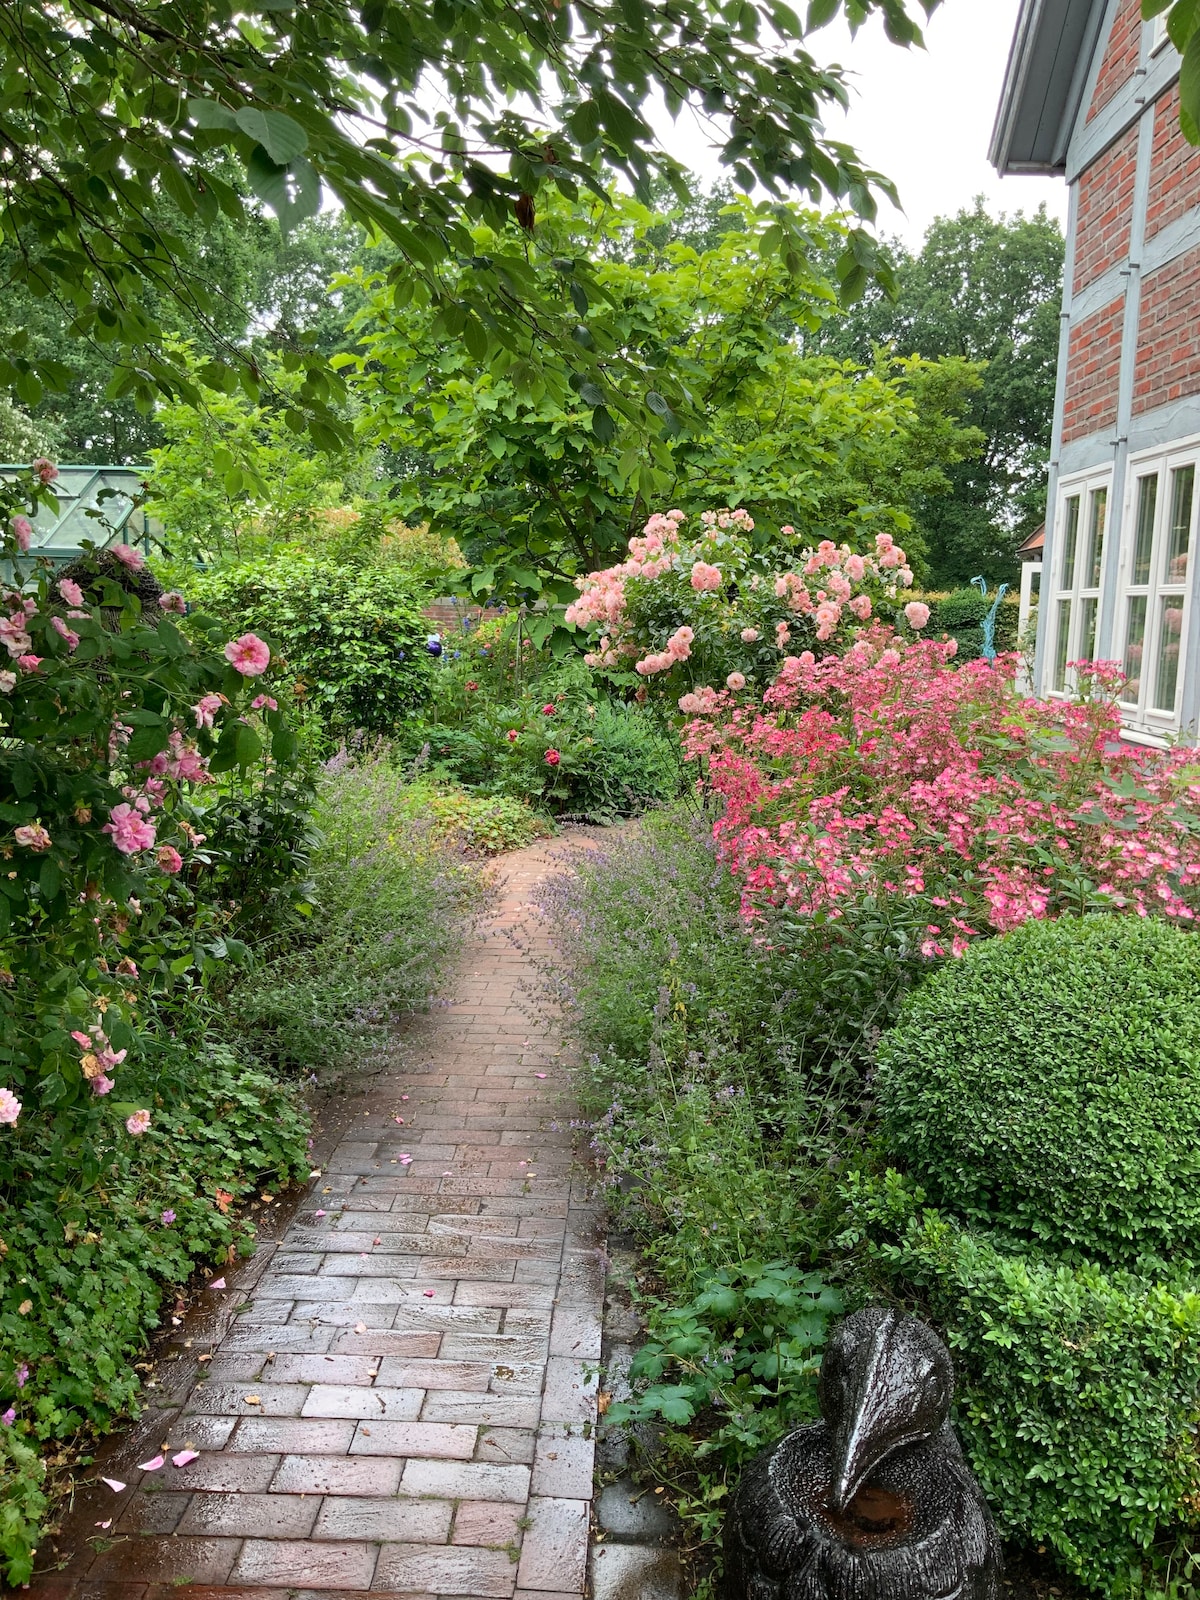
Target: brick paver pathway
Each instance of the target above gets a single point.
(403, 1401)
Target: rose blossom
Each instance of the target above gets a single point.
(169, 859)
(204, 712)
(33, 836)
(22, 532)
(128, 556)
(68, 635)
(917, 613)
(705, 578)
(172, 601)
(45, 469)
(8, 682)
(249, 655)
(552, 758)
(12, 634)
(102, 1085)
(129, 829)
(749, 635)
(10, 1106)
(264, 702)
(70, 591)
(29, 663)
(736, 680)
(138, 1122)
(861, 606)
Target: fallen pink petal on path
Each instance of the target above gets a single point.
(114, 1484)
(320, 1213)
(184, 1456)
(107, 1524)
(539, 1074)
(152, 1465)
(217, 1283)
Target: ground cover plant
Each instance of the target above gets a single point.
(851, 1050)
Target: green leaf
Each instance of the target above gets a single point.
(1189, 87)
(280, 137)
(292, 192)
(210, 114)
(603, 425)
(591, 394)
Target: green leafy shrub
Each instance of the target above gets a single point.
(960, 614)
(1049, 1084)
(484, 824)
(1077, 1392)
(389, 903)
(93, 1244)
(352, 638)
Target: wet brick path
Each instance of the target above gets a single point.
(402, 1403)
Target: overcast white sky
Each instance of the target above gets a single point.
(924, 117)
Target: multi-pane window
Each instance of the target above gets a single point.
(1078, 566)
(1158, 33)
(1155, 568)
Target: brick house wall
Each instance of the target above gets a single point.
(1168, 351)
(1093, 373)
(1174, 168)
(1121, 56)
(1105, 211)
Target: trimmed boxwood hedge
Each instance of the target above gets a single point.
(1048, 1084)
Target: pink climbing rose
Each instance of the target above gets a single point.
(33, 836)
(264, 702)
(169, 859)
(917, 613)
(70, 591)
(172, 601)
(749, 635)
(22, 530)
(206, 710)
(45, 469)
(248, 655)
(736, 680)
(129, 829)
(138, 1122)
(129, 557)
(10, 1106)
(705, 578)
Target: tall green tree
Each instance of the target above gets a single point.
(541, 481)
(987, 290)
(114, 109)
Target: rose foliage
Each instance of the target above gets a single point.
(113, 723)
(889, 775)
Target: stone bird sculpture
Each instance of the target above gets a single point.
(875, 1502)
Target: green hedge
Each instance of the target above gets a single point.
(960, 614)
(352, 638)
(1048, 1084)
(1077, 1392)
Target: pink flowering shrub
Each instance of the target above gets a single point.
(688, 611)
(113, 725)
(889, 775)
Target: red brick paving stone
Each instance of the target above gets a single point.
(317, 1484)
(284, 1561)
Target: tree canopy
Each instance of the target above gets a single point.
(423, 118)
(542, 480)
(986, 290)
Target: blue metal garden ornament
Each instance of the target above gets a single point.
(434, 644)
(988, 623)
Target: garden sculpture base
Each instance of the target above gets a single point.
(875, 1502)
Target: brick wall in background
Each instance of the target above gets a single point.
(1174, 169)
(1093, 372)
(446, 616)
(1105, 210)
(1122, 54)
(1168, 355)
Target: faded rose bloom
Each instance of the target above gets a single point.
(207, 709)
(249, 655)
(138, 1122)
(102, 1085)
(8, 682)
(749, 635)
(45, 469)
(22, 532)
(128, 556)
(33, 836)
(264, 702)
(129, 829)
(70, 591)
(10, 1106)
(173, 601)
(68, 635)
(169, 859)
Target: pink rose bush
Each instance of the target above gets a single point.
(893, 776)
(110, 735)
(687, 611)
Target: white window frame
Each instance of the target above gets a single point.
(1076, 576)
(1158, 32)
(1149, 588)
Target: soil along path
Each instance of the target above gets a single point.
(404, 1402)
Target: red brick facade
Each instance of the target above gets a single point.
(1174, 170)
(1121, 55)
(1093, 372)
(1168, 353)
(1105, 214)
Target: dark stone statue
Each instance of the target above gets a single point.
(875, 1502)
